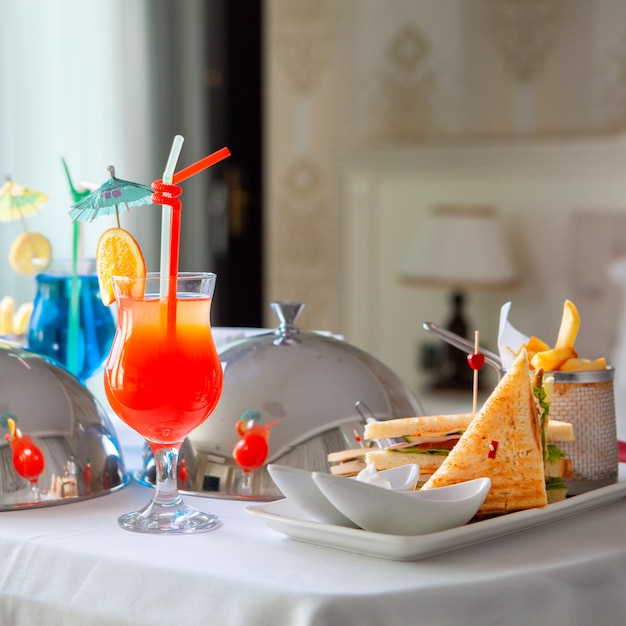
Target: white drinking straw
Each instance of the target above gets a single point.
(166, 214)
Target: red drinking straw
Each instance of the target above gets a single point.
(165, 193)
(200, 165)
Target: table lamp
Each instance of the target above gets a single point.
(461, 248)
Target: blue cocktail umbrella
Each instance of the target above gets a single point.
(112, 198)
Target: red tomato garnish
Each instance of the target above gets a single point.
(476, 360)
(438, 445)
(27, 458)
(493, 450)
(251, 451)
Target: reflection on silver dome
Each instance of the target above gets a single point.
(309, 381)
(66, 423)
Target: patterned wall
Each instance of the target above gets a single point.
(302, 244)
(361, 75)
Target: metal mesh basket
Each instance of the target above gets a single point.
(586, 400)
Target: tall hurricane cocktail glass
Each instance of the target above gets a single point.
(164, 378)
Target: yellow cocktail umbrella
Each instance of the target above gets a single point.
(31, 251)
(17, 201)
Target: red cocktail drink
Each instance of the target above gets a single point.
(163, 378)
(163, 384)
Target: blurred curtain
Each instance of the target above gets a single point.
(104, 82)
(182, 73)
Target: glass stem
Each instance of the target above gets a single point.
(245, 488)
(166, 461)
(34, 488)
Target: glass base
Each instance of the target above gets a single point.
(180, 519)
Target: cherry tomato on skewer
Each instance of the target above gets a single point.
(27, 458)
(252, 449)
(476, 360)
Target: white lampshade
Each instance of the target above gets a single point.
(460, 247)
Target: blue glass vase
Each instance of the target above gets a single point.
(49, 328)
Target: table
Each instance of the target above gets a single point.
(71, 565)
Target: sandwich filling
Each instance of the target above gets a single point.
(511, 440)
(556, 464)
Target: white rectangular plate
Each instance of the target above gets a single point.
(284, 517)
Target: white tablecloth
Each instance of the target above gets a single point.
(71, 565)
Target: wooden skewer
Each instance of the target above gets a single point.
(358, 438)
(475, 393)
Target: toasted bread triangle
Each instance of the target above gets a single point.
(508, 422)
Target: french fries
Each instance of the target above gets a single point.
(570, 323)
(534, 346)
(572, 365)
(563, 356)
(552, 360)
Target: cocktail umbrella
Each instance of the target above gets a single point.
(16, 201)
(4, 420)
(31, 251)
(112, 198)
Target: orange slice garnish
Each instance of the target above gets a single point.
(118, 254)
(12, 426)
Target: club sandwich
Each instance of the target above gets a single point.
(505, 442)
(428, 440)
